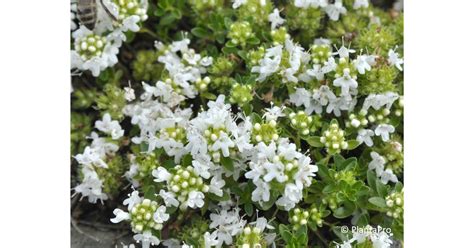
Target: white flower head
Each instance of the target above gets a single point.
(147, 239)
(160, 216)
(346, 82)
(108, 126)
(365, 136)
(161, 174)
(195, 199)
(335, 10)
(393, 59)
(237, 3)
(120, 215)
(384, 130)
(275, 19)
(360, 4)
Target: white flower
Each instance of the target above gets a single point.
(300, 97)
(91, 186)
(262, 223)
(335, 10)
(129, 94)
(377, 163)
(384, 131)
(91, 156)
(365, 136)
(160, 216)
(262, 192)
(108, 126)
(223, 143)
(344, 52)
(361, 3)
(393, 59)
(146, 238)
(210, 240)
(378, 101)
(381, 239)
(120, 215)
(216, 185)
(132, 200)
(362, 63)
(161, 174)
(195, 199)
(227, 223)
(237, 3)
(169, 198)
(95, 52)
(387, 176)
(273, 113)
(270, 63)
(346, 82)
(275, 19)
(310, 3)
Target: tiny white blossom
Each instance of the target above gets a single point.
(346, 82)
(335, 10)
(275, 19)
(361, 3)
(169, 198)
(384, 131)
(108, 126)
(146, 238)
(161, 174)
(393, 59)
(238, 3)
(365, 136)
(160, 216)
(120, 215)
(195, 199)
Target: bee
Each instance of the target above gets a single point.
(87, 12)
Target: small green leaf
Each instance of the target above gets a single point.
(352, 144)
(228, 163)
(345, 210)
(200, 32)
(248, 207)
(208, 95)
(378, 201)
(314, 141)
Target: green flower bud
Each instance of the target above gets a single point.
(240, 33)
(90, 46)
(146, 67)
(241, 94)
(112, 101)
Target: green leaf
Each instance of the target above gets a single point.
(371, 179)
(314, 141)
(378, 201)
(382, 189)
(167, 19)
(253, 41)
(187, 160)
(345, 210)
(352, 144)
(285, 232)
(248, 207)
(228, 163)
(168, 164)
(200, 32)
(208, 95)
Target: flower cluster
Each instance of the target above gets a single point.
(145, 216)
(244, 123)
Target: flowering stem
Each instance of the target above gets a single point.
(148, 31)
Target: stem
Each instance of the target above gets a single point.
(148, 31)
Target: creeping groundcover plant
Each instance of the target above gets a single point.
(244, 123)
